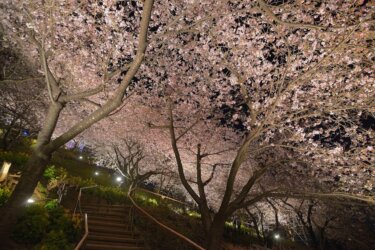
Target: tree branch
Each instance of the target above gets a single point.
(280, 193)
(267, 11)
(21, 80)
(117, 99)
(211, 176)
(189, 128)
(180, 167)
(81, 95)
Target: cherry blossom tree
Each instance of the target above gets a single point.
(293, 89)
(275, 92)
(321, 225)
(275, 77)
(41, 22)
(128, 158)
(250, 188)
(304, 211)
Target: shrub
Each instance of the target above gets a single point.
(30, 227)
(79, 182)
(18, 159)
(110, 194)
(52, 204)
(54, 240)
(50, 172)
(60, 220)
(4, 195)
(50, 225)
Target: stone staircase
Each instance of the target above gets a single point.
(109, 228)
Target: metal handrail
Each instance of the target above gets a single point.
(182, 237)
(80, 243)
(78, 204)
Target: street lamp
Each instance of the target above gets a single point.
(30, 200)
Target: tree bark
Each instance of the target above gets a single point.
(310, 228)
(214, 238)
(34, 169)
(23, 191)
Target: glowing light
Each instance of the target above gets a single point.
(119, 179)
(80, 157)
(25, 132)
(96, 173)
(31, 200)
(277, 236)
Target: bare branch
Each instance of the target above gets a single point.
(21, 80)
(82, 95)
(339, 197)
(267, 11)
(211, 176)
(117, 99)
(189, 128)
(180, 167)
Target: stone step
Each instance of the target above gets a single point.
(106, 209)
(124, 234)
(121, 208)
(102, 222)
(105, 229)
(109, 228)
(105, 213)
(109, 238)
(93, 205)
(122, 244)
(102, 246)
(106, 204)
(115, 219)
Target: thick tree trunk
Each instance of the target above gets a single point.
(206, 219)
(310, 229)
(322, 238)
(314, 240)
(215, 236)
(30, 175)
(23, 191)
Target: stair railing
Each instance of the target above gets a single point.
(84, 237)
(78, 205)
(159, 224)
